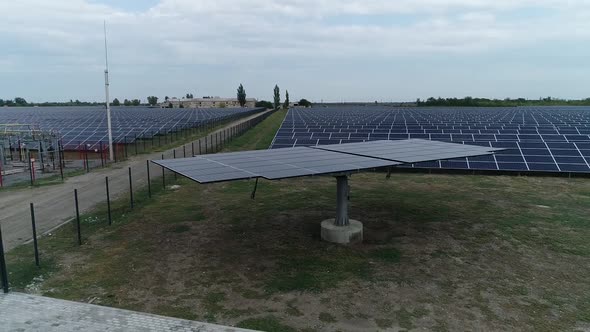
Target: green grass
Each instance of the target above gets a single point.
(261, 137)
(267, 324)
(327, 317)
(389, 255)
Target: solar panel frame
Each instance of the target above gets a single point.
(270, 164)
(410, 151)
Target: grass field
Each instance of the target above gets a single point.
(441, 252)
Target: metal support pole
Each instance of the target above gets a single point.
(149, 180)
(193, 148)
(35, 246)
(3, 270)
(31, 169)
(101, 155)
(41, 157)
(206, 149)
(342, 201)
(108, 201)
(61, 164)
(78, 217)
(163, 175)
(130, 189)
(184, 151)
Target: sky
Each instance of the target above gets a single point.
(330, 50)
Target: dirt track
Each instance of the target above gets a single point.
(55, 204)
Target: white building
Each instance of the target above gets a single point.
(207, 102)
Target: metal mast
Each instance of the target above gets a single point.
(106, 90)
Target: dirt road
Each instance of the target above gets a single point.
(54, 204)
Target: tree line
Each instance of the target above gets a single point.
(153, 101)
(508, 102)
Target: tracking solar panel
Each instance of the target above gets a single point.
(269, 164)
(410, 151)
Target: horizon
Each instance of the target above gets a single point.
(330, 51)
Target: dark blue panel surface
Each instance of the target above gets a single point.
(547, 136)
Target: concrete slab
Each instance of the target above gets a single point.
(24, 312)
(350, 234)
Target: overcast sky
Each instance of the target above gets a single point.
(318, 49)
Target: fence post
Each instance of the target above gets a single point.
(135, 144)
(31, 169)
(101, 155)
(206, 148)
(108, 201)
(193, 148)
(61, 162)
(130, 189)
(86, 158)
(41, 156)
(163, 175)
(78, 217)
(200, 147)
(35, 246)
(149, 180)
(184, 151)
(3, 270)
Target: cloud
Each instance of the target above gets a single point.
(52, 36)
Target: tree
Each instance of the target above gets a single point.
(263, 103)
(152, 100)
(166, 98)
(20, 101)
(305, 103)
(127, 102)
(116, 102)
(241, 95)
(189, 96)
(137, 102)
(277, 97)
(286, 105)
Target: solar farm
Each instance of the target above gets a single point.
(87, 126)
(548, 140)
(250, 234)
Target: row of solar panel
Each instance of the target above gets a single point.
(87, 125)
(425, 130)
(427, 124)
(436, 137)
(537, 140)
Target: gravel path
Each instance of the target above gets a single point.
(54, 204)
(24, 312)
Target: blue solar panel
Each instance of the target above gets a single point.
(537, 139)
(83, 126)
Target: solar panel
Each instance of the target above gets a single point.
(410, 151)
(86, 127)
(535, 139)
(269, 164)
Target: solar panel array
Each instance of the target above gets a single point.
(305, 161)
(269, 164)
(541, 139)
(88, 125)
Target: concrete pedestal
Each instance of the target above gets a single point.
(352, 233)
